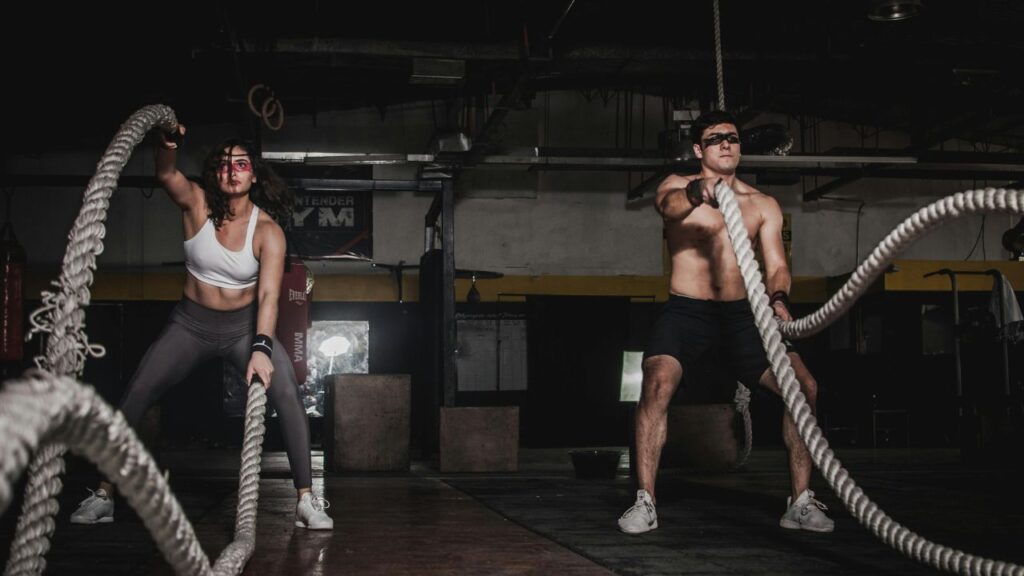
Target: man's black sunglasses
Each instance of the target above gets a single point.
(718, 137)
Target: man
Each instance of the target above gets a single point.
(707, 308)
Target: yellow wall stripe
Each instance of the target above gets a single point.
(167, 285)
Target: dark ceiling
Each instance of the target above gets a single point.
(73, 73)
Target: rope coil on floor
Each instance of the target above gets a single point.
(856, 501)
(47, 411)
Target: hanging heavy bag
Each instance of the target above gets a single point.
(293, 315)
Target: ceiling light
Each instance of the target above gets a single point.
(894, 10)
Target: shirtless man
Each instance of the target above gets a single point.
(707, 307)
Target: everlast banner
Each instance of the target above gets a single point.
(331, 224)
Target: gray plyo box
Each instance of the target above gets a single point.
(366, 427)
(480, 439)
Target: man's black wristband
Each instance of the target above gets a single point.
(263, 343)
(694, 193)
(779, 296)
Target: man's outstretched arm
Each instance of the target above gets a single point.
(671, 200)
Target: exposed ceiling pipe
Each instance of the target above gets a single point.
(558, 24)
(505, 51)
(936, 136)
(933, 166)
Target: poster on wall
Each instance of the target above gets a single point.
(332, 224)
(333, 347)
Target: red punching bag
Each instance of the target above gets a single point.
(293, 316)
(12, 261)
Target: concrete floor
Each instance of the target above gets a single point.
(542, 520)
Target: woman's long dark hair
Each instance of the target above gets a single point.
(269, 192)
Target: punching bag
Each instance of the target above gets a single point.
(12, 330)
(293, 315)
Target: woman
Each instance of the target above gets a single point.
(234, 254)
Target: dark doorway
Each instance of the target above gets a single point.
(575, 368)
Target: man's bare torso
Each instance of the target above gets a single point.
(703, 262)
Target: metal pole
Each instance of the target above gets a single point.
(956, 344)
(448, 290)
(1002, 334)
(956, 337)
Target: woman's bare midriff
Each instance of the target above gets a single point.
(217, 298)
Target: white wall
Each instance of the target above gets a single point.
(551, 222)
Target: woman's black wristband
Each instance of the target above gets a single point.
(174, 136)
(263, 343)
(170, 140)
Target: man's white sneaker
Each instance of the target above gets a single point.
(806, 514)
(96, 509)
(641, 517)
(309, 513)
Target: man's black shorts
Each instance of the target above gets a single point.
(686, 328)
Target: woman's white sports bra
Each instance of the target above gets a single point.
(209, 261)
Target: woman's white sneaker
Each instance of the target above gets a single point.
(806, 514)
(96, 509)
(309, 513)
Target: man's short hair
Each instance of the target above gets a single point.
(708, 119)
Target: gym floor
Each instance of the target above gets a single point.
(542, 520)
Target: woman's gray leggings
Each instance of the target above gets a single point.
(195, 334)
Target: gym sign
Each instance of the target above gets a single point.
(331, 224)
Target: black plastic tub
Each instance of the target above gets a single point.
(595, 464)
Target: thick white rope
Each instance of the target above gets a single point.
(860, 506)
(35, 423)
(741, 400)
(42, 407)
(719, 74)
(233, 558)
(924, 220)
(61, 318)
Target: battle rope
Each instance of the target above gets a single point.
(860, 506)
(924, 220)
(50, 408)
(741, 400)
(719, 74)
(42, 407)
